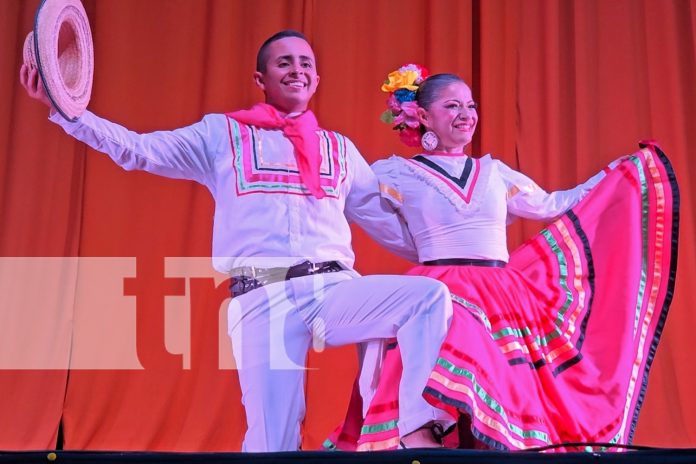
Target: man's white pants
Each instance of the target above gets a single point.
(273, 327)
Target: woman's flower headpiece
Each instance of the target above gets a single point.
(401, 85)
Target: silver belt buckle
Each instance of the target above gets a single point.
(244, 271)
(263, 275)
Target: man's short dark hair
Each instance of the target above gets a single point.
(262, 55)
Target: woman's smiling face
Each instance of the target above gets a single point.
(452, 116)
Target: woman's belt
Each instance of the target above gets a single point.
(247, 278)
(465, 262)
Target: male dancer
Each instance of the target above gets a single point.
(285, 191)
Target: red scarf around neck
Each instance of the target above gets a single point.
(302, 133)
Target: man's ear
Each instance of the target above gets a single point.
(258, 80)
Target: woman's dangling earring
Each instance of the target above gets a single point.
(429, 141)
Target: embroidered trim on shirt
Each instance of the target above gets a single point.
(254, 173)
(391, 192)
(453, 194)
(461, 181)
(514, 190)
(457, 185)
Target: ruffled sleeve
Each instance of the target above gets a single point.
(377, 216)
(528, 200)
(387, 171)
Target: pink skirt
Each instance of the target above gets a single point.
(556, 347)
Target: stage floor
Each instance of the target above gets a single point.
(440, 456)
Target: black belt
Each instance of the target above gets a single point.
(245, 279)
(465, 262)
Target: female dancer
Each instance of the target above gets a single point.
(549, 346)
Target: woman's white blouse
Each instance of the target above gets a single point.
(455, 216)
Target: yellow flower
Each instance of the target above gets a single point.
(400, 80)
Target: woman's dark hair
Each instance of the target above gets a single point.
(430, 88)
(262, 55)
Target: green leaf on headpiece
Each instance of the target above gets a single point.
(387, 117)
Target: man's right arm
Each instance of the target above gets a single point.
(178, 154)
(181, 154)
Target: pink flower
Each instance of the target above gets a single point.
(410, 136)
(393, 104)
(408, 115)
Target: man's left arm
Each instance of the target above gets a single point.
(366, 207)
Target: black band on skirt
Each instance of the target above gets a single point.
(465, 262)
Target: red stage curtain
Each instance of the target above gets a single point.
(564, 88)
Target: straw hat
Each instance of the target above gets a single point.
(60, 47)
